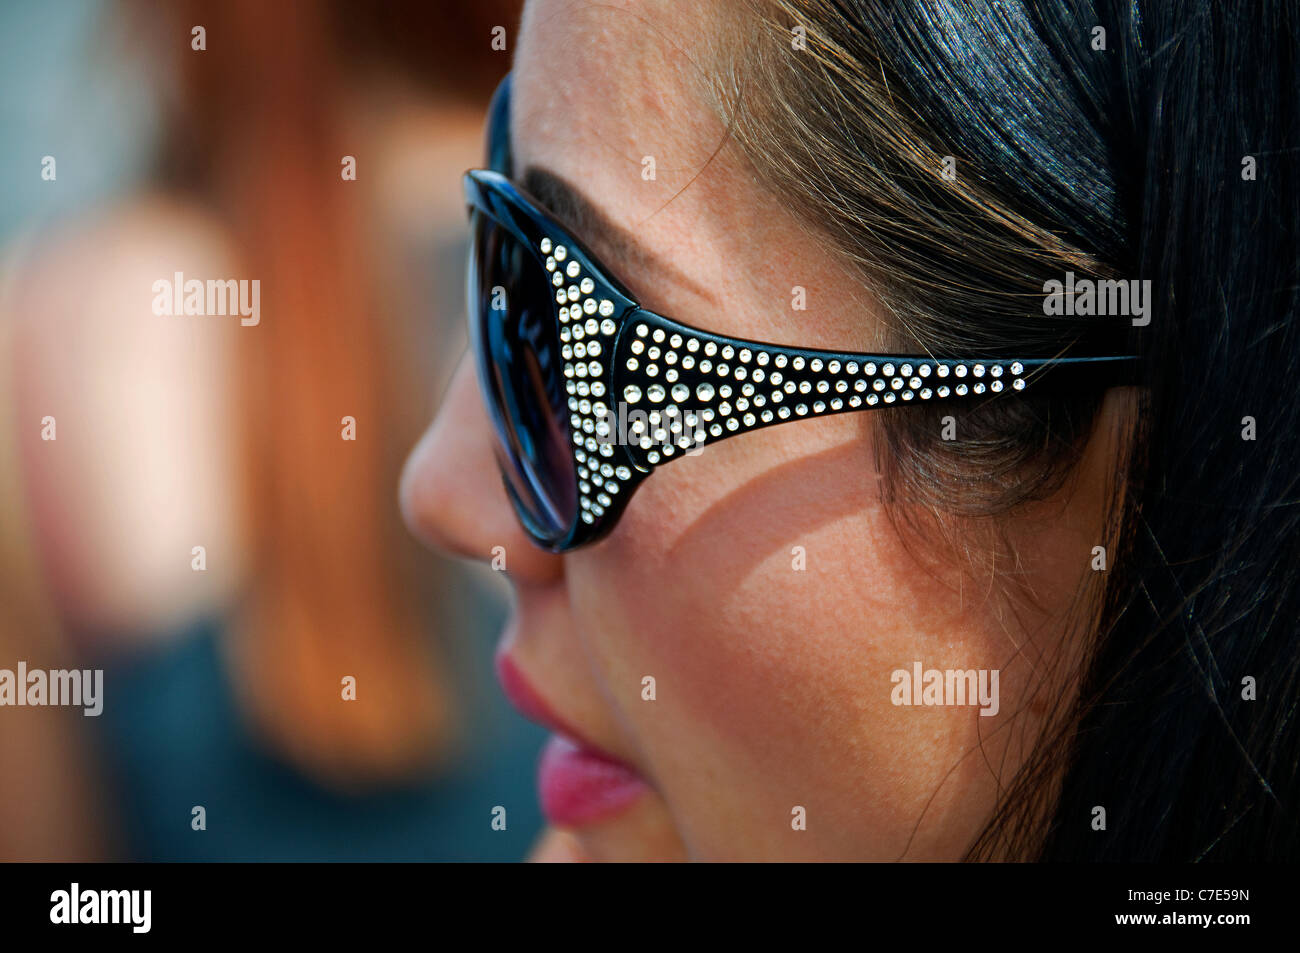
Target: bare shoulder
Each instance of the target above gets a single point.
(143, 464)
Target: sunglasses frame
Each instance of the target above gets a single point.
(626, 365)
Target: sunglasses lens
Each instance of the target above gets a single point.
(513, 333)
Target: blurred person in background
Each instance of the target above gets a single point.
(226, 665)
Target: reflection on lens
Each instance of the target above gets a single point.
(512, 322)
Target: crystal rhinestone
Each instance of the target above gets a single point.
(586, 286)
(561, 253)
(607, 327)
(545, 246)
(797, 363)
(1017, 368)
(960, 370)
(658, 335)
(606, 307)
(1019, 383)
(704, 391)
(693, 345)
(572, 269)
(675, 341)
(631, 393)
(642, 330)
(623, 473)
(745, 355)
(655, 392)
(681, 392)
(815, 364)
(710, 348)
(887, 370)
(550, 263)
(728, 352)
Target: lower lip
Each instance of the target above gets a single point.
(580, 786)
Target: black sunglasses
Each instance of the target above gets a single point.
(588, 392)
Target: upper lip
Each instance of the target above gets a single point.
(530, 703)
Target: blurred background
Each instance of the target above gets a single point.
(222, 685)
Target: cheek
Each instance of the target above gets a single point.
(771, 621)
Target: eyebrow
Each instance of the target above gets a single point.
(634, 262)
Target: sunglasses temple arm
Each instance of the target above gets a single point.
(676, 389)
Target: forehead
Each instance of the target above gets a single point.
(612, 90)
(608, 97)
(613, 97)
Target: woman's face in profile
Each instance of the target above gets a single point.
(721, 668)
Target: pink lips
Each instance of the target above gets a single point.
(578, 784)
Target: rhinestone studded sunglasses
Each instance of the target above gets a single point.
(589, 393)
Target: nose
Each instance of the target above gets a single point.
(451, 492)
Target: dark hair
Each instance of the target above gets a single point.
(1116, 155)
